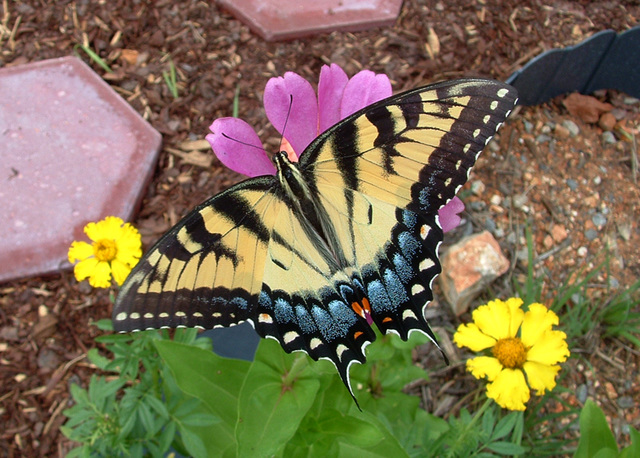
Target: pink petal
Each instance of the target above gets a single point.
(293, 91)
(238, 147)
(364, 89)
(448, 215)
(331, 86)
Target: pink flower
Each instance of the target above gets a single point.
(292, 107)
(448, 214)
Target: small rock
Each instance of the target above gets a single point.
(48, 359)
(608, 138)
(519, 200)
(558, 233)
(9, 333)
(631, 100)
(619, 113)
(494, 146)
(626, 402)
(468, 267)
(599, 220)
(496, 199)
(591, 234)
(597, 180)
(547, 242)
(543, 138)
(478, 188)
(581, 393)
(582, 251)
(573, 184)
(572, 127)
(477, 206)
(528, 126)
(624, 229)
(561, 131)
(607, 121)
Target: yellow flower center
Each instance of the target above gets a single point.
(510, 352)
(105, 250)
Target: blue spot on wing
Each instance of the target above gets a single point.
(378, 296)
(239, 302)
(305, 320)
(403, 268)
(283, 311)
(408, 244)
(395, 288)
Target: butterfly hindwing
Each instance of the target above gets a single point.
(346, 238)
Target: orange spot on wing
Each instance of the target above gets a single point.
(366, 305)
(357, 334)
(386, 319)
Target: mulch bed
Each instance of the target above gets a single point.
(577, 193)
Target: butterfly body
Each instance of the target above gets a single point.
(345, 238)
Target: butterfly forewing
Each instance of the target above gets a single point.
(208, 269)
(368, 254)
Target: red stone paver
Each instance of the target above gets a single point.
(287, 19)
(72, 151)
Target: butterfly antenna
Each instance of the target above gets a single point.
(286, 121)
(240, 141)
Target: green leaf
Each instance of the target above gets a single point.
(158, 406)
(632, 450)
(506, 448)
(211, 378)
(200, 419)
(216, 381)
(269, 411)
(505, 425)
(193, 443)
(166, 436)
(595, 434)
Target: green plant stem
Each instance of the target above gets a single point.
(479, 414)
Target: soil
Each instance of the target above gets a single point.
(572, 182)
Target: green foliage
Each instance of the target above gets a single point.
(171, 80)
(597, 440)
(141, 411)
(93, 56)
(176, 394)
(620, 317)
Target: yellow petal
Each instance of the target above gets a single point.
(84, 269)
(516, 315)
(537, 320)
(499, 319)
(484, 366)
(79, 251)
(551, 348)
(108, 228)
(509, 389)
(101, 276)
(128, 246)
(468, 335)
(119, 271)
(541, 377)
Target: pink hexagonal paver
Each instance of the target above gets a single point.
(72, 151)
(286, 19)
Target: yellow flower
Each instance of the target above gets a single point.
(115, 249)
(525, 351)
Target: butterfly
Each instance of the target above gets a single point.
(344, 239)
